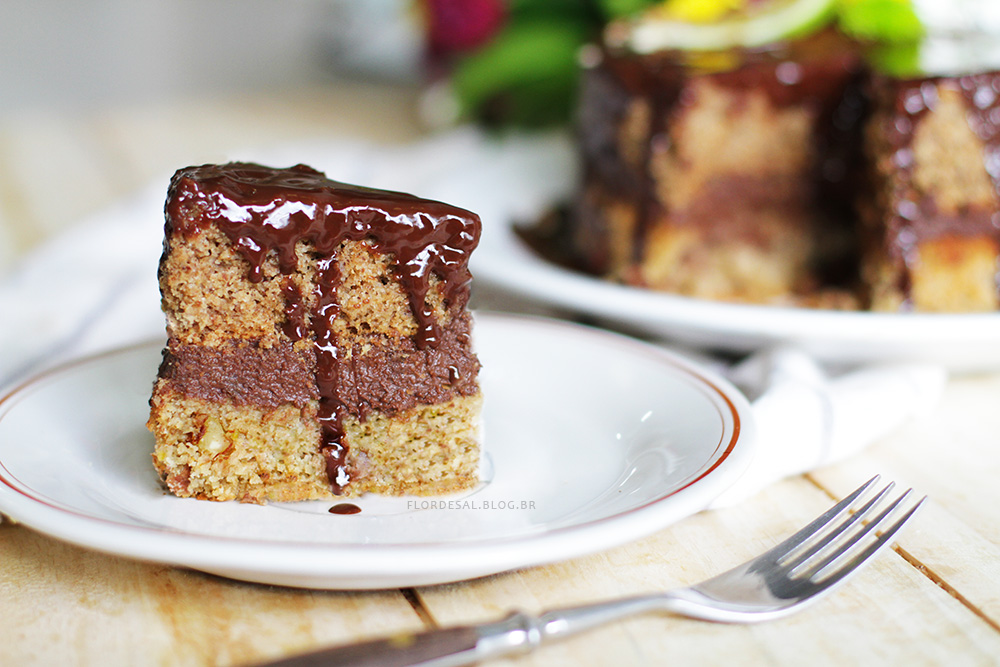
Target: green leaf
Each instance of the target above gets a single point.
(900, 60)
(880, 20)
(552, 8)
(614, 9)
(527, 73)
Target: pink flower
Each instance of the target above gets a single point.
(462, 25)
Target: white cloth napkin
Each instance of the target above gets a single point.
(807, 418)
(94, 288)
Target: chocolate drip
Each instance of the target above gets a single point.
(265, 211)
(345, 508)
(911, 104)
(295, 313)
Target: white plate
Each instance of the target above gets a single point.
(961, 342)
(592, 440)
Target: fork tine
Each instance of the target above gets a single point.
(810, 551)
(784, 548)
(844, 568)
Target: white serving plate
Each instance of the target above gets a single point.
(592, 440)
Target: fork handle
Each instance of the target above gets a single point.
(440, 648)
(464, 645)
(444, 647)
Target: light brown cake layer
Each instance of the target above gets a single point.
(209, 298)
(945, 274)
(216, 451)
(704, 261)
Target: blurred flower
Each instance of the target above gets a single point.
(702, 11)
(508, 62)
(461, 25)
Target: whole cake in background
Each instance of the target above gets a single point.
(822, 153)
(319, 342)
(717, 174)
(810, 169)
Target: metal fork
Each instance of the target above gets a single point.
(780, 581)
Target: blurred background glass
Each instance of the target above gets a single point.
(58, 53)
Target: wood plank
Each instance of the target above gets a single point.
(952, 455)
(66, 605)
(887, 615)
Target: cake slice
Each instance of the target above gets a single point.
(931, 218)
(718, 174)
(319, 342)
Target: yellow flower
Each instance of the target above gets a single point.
(700, 11)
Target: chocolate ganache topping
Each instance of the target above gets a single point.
(265, 211)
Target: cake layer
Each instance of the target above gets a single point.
(627, 99)
(381, 374)
(210, 293)
(240, 373)
(216, 451)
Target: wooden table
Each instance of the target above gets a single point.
(935, 599)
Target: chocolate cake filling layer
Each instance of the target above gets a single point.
(388, 377)
(241, 374)
(267, 212)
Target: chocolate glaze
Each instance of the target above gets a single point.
(265, 211)
(913, 216)
(815, 73)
